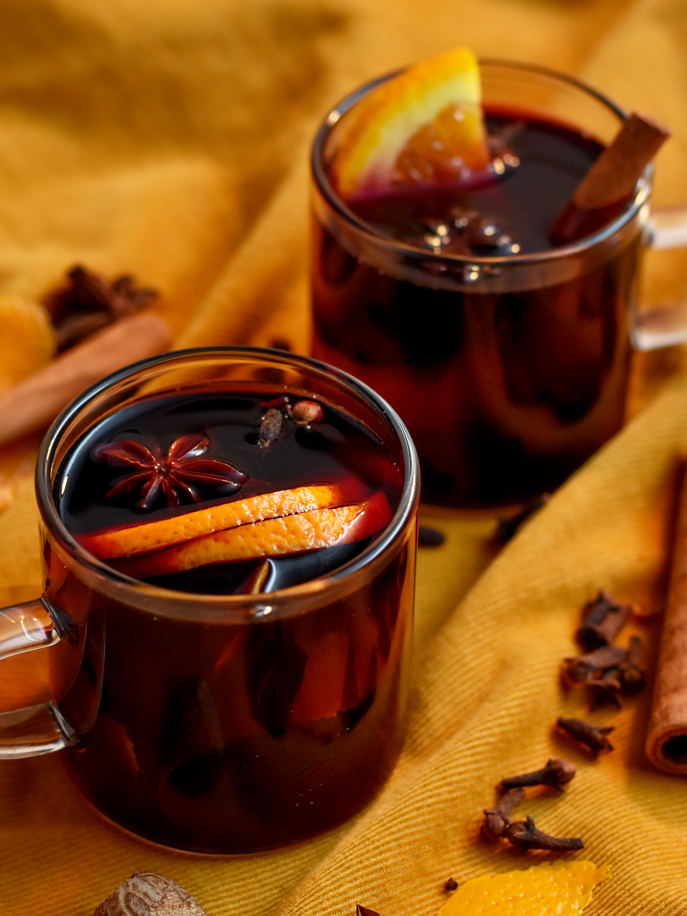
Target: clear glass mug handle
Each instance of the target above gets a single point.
(663, 325)
(39, 729)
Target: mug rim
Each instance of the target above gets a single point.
(283, 602)
(456, 260)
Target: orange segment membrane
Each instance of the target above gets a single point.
(311, 530)
(547, 889)
(424, 124)
(130, 540)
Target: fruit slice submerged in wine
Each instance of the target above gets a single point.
(139, 538)
(289, 534)
(424, 125)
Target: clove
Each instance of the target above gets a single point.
(557, 773)
(603, 620)
(497, 819)
(605, 689)
(580, 669)
(592, 736)
(524, 835)
(450, 884)
(630, 673)
(270, 427)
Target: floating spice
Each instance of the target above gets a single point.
(270, 427)
(306, 412)
(176, 473)
(610, 183)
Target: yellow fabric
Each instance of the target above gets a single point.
(169, 139)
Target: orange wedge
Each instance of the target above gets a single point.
(548, 889)
(288, 534)
(424, 125)
(130, 540)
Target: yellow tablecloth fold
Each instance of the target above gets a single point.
(170, 141)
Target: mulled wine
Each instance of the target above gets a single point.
(507, 358)
(253, 696)
(116, 478)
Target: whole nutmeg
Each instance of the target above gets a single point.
(146, 893)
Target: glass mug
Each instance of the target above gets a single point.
(509, 369)
(222, 724)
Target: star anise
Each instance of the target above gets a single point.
(177, 473)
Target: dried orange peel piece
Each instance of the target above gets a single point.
(430, 110)
(287, 534)
(130, 540)
(547, 889)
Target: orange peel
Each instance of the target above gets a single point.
(430, 112)
(130, 540)
(549, 889)
(287, 534)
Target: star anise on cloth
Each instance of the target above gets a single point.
(178, 473)
(87, 302)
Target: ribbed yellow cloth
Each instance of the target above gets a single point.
(170, 140)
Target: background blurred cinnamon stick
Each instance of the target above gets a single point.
(666, 744)
(34, 403)
(611, 180)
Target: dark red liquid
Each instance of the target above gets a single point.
(505, 393)
(247, 733)
(334, 450)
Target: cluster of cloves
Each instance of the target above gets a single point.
(524, 834)
(605, 669)
(87, 302)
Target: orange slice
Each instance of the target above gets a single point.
(310, 530)
(130, 540)
(548, 889)
(424, 125)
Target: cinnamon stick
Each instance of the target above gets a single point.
(34, 402)
(666, 743)
(610, 182)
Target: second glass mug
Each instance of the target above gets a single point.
(221, 724)
(508, 370)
